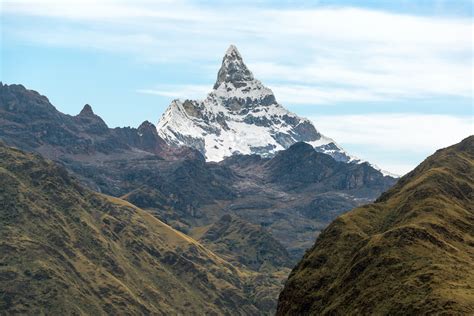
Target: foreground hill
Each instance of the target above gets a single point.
(67, 250)
(410, 252)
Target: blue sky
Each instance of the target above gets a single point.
(391, 81)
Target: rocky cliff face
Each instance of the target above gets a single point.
(409, 253)
(240, 116)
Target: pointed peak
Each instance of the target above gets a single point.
(86, 110)
(302, 148)
(233, 51)
(147, 129)
(147, 125)
(233, 69)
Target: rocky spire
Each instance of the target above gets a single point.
(86, 111)
(91, 122)
(233, 69)
(147, 127)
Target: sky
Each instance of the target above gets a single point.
(390, 81)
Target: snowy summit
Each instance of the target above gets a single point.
(240, 116)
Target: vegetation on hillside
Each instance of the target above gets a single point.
(67, 250)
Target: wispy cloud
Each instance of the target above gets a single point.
(398, 132)
(315, 56)
(395, 135)
(178, 91)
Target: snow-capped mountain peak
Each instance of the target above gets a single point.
(233, 69)
(240, 115)
(236, 82)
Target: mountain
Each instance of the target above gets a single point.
(240, 116)
(68, 250)
(410, 252)
(292, 195)
(278, 205)
(31, 122)
(299, 191)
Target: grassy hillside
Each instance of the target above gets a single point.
(410, 252)
(250, 247)
(245, 243)
(67, 250)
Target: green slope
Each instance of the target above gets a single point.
(410, 252)
(247, 244)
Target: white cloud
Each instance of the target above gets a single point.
(178, 91)
(339, 53)
(104, 10)
(299, 94)
(385, 138)
(399, 169)
(378, 77)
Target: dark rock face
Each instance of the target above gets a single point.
(32, 123)
(299, 191)
(86, 111)
(28, 119)
(301, 165)
(305, 131)
(89, 122)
